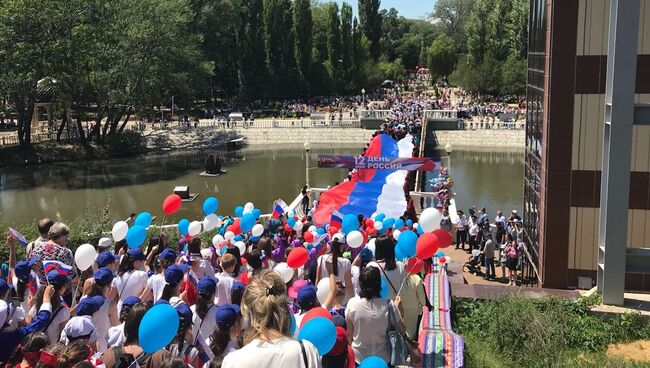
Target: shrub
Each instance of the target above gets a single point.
(125, 144)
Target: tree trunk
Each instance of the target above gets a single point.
(24, 120)
(109, 121)
(80, 129)
(126, 120)
(60, 131)
(116, 121)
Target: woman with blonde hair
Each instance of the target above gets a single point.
(268, 338)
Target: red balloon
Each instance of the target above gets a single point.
(287, 228)
(370, 223)
(427, 245)
(444, 238)
(171, 204)
(443, 259)
(244, 261)
(333, 230)
(365, 236)
(297, 257)
(308, 236)
(414, 266)
(236, 229)
(372, 231)
(316, 312)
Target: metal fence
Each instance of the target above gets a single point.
(487, 125)
(303, 123)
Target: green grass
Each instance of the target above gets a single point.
(549, 332)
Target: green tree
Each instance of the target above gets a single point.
(393, 29)
(442, 57)
(478, 29)
(513, 76)
(302, 34)
(346, 44)
(370, 20)
(408, 49)
(278, 42)
(452, 16)
(334, 45)
(250, 41)
(358, 56)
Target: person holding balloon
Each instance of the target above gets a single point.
(131, 280)
(390, 268)
(268, 339)
(334, 263)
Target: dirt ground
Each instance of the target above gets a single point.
(637, 351)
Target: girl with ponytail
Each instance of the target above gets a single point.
(204, 310)
(131, 278)
(224, 338)
(29, 351)
(334, 263)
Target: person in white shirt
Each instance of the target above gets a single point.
(269, 344)
(473, 232)
(156, 283)
(461, 230)
(25, 284)
(60, 311)
(130, 280)
(99, 291)
(368, 318)
(204, 311)
(391, 269)
(82, 326)
(228, 263)
(334, 263)
(116, 335)
(224, 339)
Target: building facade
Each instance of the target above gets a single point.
(567, 63)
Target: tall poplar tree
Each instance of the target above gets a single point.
(371, 24)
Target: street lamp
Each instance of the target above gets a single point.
(363, 93)
(307, 147)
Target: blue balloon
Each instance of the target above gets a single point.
(239, 211)
(291, 221)
(247, 222)
(239, 238)
(350, 223)
(406, 243)
(255, 239)
(389, 222)
(398, 254)
(399, 224)
(292, 329)
(136, 236)
(183, 226)
(383, 292)
(210, 205)
(409, 222)
(257, 213)
(380, 217)
(223, 250)
(320, 231)
(420, 231)
(154, 335)
(321, 332)
(373, 362)
(143, 219)
(440, 254)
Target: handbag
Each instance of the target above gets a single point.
(399, 351)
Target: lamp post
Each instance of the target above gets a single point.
(307, 147)
(363, 93)
(449, 149)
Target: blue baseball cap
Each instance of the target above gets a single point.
(366, 255)
(106, 258)
(236, 285)
(307, 294)
(24, 268)
(56, 277)
(227, 314)
(174, 274)
(185, 314)
(103, 276)
(136, 254)
(207, 285)
(130, 301)
(88, 306)
(168, 255)
(4, 287)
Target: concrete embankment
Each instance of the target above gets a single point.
(312, 135)
(482, 138)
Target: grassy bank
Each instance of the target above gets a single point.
(518, 332)
(118, 145)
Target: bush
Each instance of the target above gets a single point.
(549, 332)
(125, 144)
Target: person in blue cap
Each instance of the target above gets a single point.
(101, 287)
(362, 260)
(25, 282)
(307, 299)
(106, 260)
(116, 335)
(131, 280)
(173, 281)
(182, 345)
(237, 292)
(204, 310)
(156, 283)
(224, 338)
(60, 310)
(10, 339)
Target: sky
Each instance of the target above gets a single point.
(415, 9)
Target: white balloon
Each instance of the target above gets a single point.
(312, 228)
(257, 230)
(211, 222)
(249, 206)
(242, 247)
(379, 225)
(354, 239)
(119, 230)
(216, 240)
(371, 245)
(396, 234)
(85, 256)
(448, 258)
(229, 235)
(195, 228)
(430, 219)
(285, 272)
(322, 290)
(206, 253)
(298, 225)
(416, 226)
(339, 236)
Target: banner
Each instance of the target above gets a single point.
(378, 163)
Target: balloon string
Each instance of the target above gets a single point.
(76, 290)
(405, 277)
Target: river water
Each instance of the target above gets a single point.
(258, 175)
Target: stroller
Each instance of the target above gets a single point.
(473, 264)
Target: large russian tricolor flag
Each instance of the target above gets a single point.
(370, 191)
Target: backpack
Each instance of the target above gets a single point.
(512, 253)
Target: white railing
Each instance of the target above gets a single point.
(487, 125)
(373, 114)
(440, 114)
(303, 123)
